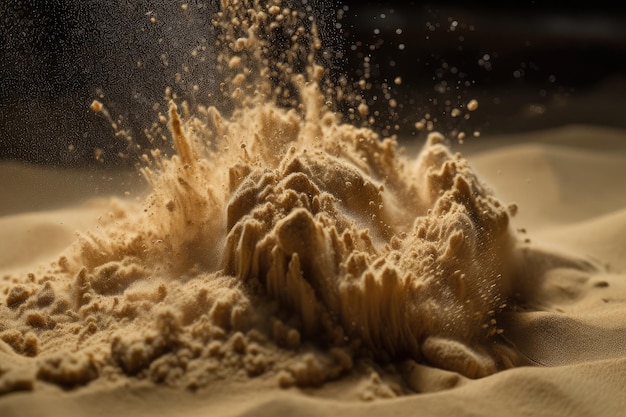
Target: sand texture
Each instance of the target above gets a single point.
(567, 324)
(276, 253)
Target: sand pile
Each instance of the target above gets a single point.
(280, 241)
(276, 226)
(310, 240)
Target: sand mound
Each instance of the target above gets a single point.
(282, 246)
(180, 329)
(328, 238)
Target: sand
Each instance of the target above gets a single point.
(280, 259)
(571, 328)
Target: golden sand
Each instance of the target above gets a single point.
(283, 242)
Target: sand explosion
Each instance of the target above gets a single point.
(277, 239)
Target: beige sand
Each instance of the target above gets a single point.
(572, 329)
(284, 261)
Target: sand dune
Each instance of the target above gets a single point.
(558, 184)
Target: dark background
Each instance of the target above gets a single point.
(531, 65)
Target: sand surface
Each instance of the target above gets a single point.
(570, 187)
(277, 252)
